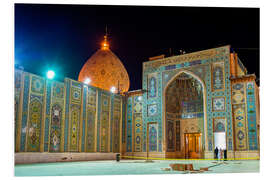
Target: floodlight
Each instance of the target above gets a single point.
(113, 89)
(50, 74)
(87, 81)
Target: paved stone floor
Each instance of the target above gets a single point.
(130, 167)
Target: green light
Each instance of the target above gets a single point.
(50, 74)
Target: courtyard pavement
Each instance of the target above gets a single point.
(131, 167)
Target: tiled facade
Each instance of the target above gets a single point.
(54, 116)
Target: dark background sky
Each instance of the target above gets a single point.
(63, 37)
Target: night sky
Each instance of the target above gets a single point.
(63, 37)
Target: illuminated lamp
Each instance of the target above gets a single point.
(87, 81)
(113, 89)
(50, 74)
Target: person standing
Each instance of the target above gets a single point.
(221, 154)
(225, 154)
(216, 153)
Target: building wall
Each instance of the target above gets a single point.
(245, 116)
(240, 116)
(67, 116)
(212, 67)
(134, 126)
(18, 107)
(241, 70)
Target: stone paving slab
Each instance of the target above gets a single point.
(132, 167)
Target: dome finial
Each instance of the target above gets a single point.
(105, 44)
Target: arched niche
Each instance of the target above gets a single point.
(184, 91)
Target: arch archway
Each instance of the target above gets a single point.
(184, 116)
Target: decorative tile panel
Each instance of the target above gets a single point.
(240, 127)
(104, 122)
(91, 120)
(67, 104)
(219, 125)
(137, 123)
(238, 94)
(83, 135)
(116, 125)
(152, 109)
(239, 115)
(218, 76)
(137, 132)
(98, 120)
(124, 119)
(74, 127)
(54, 102)
(17, 93)
(251, 115)
(55, 128)
(129, 124)
(91, 96)
(152, 85)
(137, 104)
(219, 104)
(58, 90)
(75, 95)
(177, 136)
(91, 131)
(37, 84)
(153, 137)
(34, 123)
(170, 136)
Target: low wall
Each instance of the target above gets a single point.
(143, 154)
(28, 157)
(247, 154)
(206, 155)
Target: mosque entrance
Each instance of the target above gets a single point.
(184, 117)
(193, 145)
(220, 140)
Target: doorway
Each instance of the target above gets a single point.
(193, 145)
(220, 140)
(184, 116)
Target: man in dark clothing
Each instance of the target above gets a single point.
(225, 154)
(216, 153)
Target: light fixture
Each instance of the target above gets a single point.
(87, 81)
(50, 74)
(140, 98)
(113, 89)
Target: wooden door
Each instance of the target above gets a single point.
(192, 145)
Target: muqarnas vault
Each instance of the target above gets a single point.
(188, 105)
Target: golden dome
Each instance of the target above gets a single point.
(105, 70)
